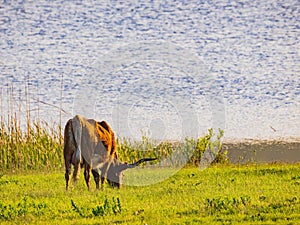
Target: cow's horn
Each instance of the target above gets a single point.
(140, 161)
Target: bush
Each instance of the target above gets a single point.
(189, 152)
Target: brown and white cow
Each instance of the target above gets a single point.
(92, 145)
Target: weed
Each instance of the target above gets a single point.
(108, 207)
(77, 209)
(22, 208)
(226, 204)
(188, 152)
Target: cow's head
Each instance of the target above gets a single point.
(115, 172)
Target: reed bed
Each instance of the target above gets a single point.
(41, 148)
(26, 142)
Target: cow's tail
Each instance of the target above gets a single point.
(78, 156)
(77, 140)
(76, 122)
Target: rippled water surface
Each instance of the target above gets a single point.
(165, 68)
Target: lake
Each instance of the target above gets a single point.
(165, 69)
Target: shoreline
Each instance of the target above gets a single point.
(232, 140)
(243, 151)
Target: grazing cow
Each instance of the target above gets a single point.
(91, 144)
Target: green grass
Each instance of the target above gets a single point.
(32, 186)
(251, 194)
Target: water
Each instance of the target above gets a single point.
(167, 69)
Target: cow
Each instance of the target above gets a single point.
(91, 144)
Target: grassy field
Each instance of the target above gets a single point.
(249, 194)
(32, 186)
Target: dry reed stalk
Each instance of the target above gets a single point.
(60, 109)
(8, 112)
(1, 104)
(38, 121)
(27, 95)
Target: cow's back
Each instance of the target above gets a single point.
(92, 140)
(107, 137)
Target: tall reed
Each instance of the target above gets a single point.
(42, 148)
(30, 144)
(38, 148)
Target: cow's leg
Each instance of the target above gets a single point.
(87, 171)
(67, 174)
(76, 172)
(96, 177)
(102, 181)
(67, 157)
(104, 171)
(69, 148)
